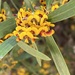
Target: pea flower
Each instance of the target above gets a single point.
(32, 25)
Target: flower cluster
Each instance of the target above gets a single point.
(30, 25)
(2, 15)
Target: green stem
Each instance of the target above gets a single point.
(14, 5)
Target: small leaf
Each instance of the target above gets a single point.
(6, 46)
(63, 12)
(32, 51)
(8, 10)
(7, 27)
(28, 4)
(57, 56)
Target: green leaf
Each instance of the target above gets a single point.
(28, 4)
(31, 68)
(6, 46)
(32, 51)
(14, 5)
(34, 1)
(0, 4)
(8, 10)
(57, 56)
(63, 12)
(48, 3)
(7, 27)
(35, 47)
(23, 56)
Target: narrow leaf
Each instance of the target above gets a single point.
(32, 51)
(48, 3)
(38, 60)
(6, 46)
(14, 5)
(63, 12)
(7, 27)
(8, 10)
(57, 56)
(30, 67)
(28, 4)
(34, 1)
(0, 4)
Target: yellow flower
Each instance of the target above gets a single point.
(64, 1)
(8, 35)
(43, 30)
(3, 12)
(43, 71)
(30, 25)
(16, 33)
(43, 19)
(39, 13)
(22, 71)
(26, 23)
(5, 65)
(55, 6)
(14, 62)
(33, 30)
(2, 15)
(20, 29)
(34, 18)
(72, 27)
(27, 36)
(50, 33)
(49, 24)
(1, 41)
(43, 2)
(46, 65)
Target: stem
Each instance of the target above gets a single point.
(14, 5)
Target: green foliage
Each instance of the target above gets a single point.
(32, 51)
(48, 3)
(63, 12)
(57, 56)
(8, 10)
(0, 4)
(6, 46)
(28, 4)
(7, 27)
